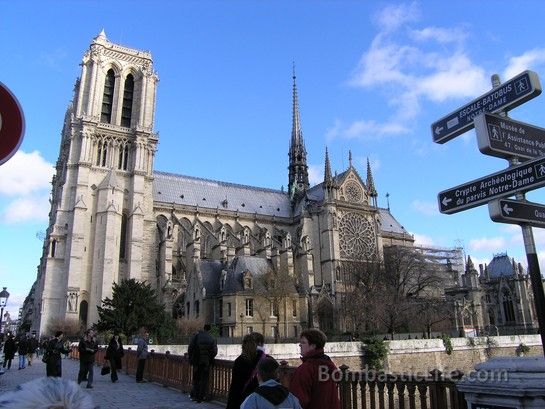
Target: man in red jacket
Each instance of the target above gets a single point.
(313, 382)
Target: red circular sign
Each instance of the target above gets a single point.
(12, 124)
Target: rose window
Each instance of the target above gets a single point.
(353, 192)
(357, 237)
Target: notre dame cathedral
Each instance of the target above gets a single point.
(202, 244)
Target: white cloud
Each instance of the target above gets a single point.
(315, 174)
(422, 240)
(439, 34)
(492, 244)
(426, 208)
(529, 60)
(26, 209)
(363, 129)
(456, 77)
(25, 174)
(392, 17)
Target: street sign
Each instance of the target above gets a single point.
(508, 95)
(527, 176)
(516, 212)
(12, 124)
(505, 138)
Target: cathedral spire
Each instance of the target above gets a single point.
(327, 171)
(371, 184)
(298, 169)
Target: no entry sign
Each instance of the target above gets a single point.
(12, 124)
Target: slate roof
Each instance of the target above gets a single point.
(501, 266)
(212, 194)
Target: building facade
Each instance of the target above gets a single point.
(206, 246)
(496, 300)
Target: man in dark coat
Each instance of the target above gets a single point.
(87, 349)
(10, 347)
(114, 353)
(32, 348)
(22, 347)
(202, 350)
(55, 347)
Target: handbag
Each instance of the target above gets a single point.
(105, 368)
(45, 357)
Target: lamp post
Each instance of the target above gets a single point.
(4, 295)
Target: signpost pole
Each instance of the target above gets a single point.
(535, 279)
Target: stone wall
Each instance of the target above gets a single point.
(416, 355)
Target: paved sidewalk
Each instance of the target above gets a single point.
(124, 394)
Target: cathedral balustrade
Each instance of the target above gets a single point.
(357, 389)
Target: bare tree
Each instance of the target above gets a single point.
(276, 287)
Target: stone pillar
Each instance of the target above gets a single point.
(506, 383)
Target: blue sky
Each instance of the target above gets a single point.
(372, 76)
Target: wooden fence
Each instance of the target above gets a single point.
(357, 389)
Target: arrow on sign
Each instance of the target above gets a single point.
(506, 209)
(438, 130)
(446, 201)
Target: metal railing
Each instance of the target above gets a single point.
(357, 389)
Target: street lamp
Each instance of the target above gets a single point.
(4, 295)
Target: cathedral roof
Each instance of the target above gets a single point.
(212, 194)
(501, 266)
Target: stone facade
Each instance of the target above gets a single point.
(498, 299)
(206, 246)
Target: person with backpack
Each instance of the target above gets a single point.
(244, 375)
(202, 350)
(270, 394)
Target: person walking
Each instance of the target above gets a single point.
(22, 348)
(312, 382)
(202, 350)
(270, 393)
(244, 375)
(10, 347)
(32, 348)
(55, 347)
(114, 353)
(87, 349)
(141, 354)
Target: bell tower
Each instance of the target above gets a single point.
(102, 187)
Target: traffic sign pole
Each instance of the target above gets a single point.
(535, 279)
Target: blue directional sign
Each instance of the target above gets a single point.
(517, 212)
(521, 178)
(505, 138)
(508, 95)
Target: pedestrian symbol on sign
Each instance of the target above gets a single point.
(521, 85)
(495, 132)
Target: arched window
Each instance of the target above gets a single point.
(83, 307)
(126, 111)
(123, 238)
(53, 247)
(108, 97)
(104, 154)
(508, 310)
(123, 159)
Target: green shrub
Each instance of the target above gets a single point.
(375, 352)
(447, 342)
